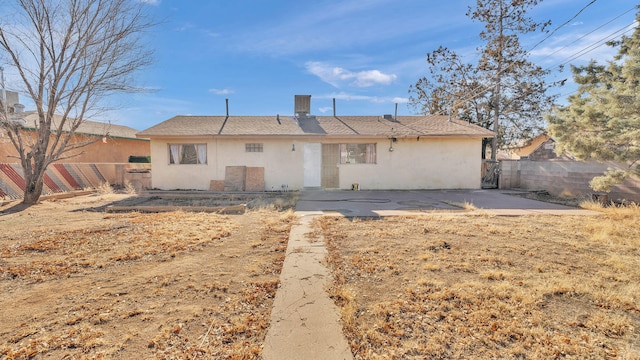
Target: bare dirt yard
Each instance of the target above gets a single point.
(77, 283)
(461, 287)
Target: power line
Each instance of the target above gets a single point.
(482, 88)
(561, 26)
(597, 44)
(592, 31)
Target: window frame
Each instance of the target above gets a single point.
(254, 147)
(368, 155)
(177, 150)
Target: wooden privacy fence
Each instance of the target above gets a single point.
(490, 174)
(61, 177)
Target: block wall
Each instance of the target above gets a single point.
(564, 178)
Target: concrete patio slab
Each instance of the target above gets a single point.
(376, 203)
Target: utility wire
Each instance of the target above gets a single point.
(561, 26)
(482, 88)
(603, 41)
(592, 31)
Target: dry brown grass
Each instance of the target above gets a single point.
(169, 285)
(488, 287)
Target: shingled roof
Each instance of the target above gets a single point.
(328, 126)
(86, 128)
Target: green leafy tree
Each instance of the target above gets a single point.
(503, 91)
(68, 56)
(602, 120)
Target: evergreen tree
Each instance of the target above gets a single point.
(504, 91)
(602, 120)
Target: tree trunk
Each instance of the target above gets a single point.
(485, 143)
(498, 89)
(34, 182)
(32, 193)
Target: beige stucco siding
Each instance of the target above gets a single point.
(282, 166)
(428, 163)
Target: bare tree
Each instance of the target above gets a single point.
(68, 55)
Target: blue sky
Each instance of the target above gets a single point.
(364, 53)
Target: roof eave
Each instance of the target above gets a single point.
(332, 136)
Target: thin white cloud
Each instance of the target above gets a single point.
(338, 76)
(373, 77)
(221, 91)
(150, 2)
(338, 25)
(373, 99)
(325, 109)
(190, 27)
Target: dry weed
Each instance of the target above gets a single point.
(168, 285)
(129, 188)
(104, 188)
(488, 287)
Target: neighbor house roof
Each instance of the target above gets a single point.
(86, 128)
(336, 126)
(526, 148)
(533, 146)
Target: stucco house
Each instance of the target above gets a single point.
(104, 158)
(258, 153)
(107, 143)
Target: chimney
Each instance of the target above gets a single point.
(302, 105)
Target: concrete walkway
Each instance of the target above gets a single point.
(304, 320)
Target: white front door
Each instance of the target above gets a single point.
(312, 165)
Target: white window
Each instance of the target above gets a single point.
(188, 154)
(253, 147)
(357, 153)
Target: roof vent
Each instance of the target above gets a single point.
(388, 117)
(302, 105)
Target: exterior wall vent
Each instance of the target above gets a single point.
(302, 105)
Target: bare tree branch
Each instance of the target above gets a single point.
(69, 55)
